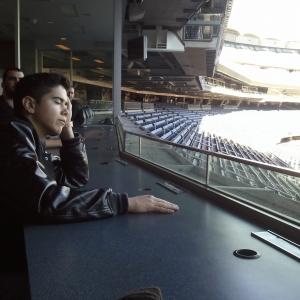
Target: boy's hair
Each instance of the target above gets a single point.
(36, 86)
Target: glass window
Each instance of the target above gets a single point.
(75, 40)
(192, 32)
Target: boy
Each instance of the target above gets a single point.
(32, 188)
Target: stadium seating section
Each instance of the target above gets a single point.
(182, 127)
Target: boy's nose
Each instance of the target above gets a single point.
(65, 111)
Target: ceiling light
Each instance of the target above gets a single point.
(75, 58)
(63, 47)
(99, 61)
(69, 10)
(63, 38)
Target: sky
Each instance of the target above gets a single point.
(267, 18)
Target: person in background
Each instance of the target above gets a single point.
(76, 106)
(71, 93)
(10, 78)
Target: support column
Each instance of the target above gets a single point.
(41, 61)
(17, 36)
(36, 60)
(116, 92)
(71, 67)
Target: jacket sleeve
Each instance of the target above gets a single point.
(33, 195)
(72, 169)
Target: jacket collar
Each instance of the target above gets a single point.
(40, 146)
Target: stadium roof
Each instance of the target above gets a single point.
(261, 45)
(266, 18)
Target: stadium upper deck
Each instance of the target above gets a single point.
(182, 45)
(77, 40)
(260, 55)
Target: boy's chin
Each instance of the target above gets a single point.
(55, 132)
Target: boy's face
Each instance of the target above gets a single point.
(51, 113)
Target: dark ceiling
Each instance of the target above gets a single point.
(87, 29)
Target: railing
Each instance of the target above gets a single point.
(270, 188)
(220, 87)
(213, 82)
(128, 105)
(100, 105)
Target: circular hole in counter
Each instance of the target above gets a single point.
(246, 253)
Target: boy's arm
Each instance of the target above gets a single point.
(29, 193)
(73, 168)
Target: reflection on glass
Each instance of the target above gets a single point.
(188, 163)
(132, 144)
(265, 188)
(65, 43)
(121, 135)
(270, 189)
(192, 32)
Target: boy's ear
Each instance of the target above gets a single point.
(29, 104)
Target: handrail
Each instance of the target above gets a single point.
(262, 165)
(214, 82)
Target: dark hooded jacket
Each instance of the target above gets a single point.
(6, 112)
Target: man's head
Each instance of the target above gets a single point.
(10, 78)
(71, 93)
(42, 98)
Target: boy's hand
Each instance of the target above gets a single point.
(69, 107)
(149, 203)
(67, 131)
